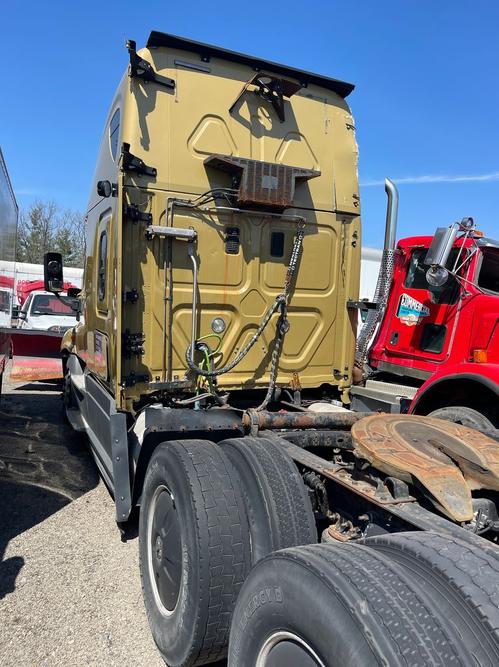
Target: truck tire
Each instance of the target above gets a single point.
(465, 416)
(458, 578)
(193, 548)
(277, 504)
(325, 605)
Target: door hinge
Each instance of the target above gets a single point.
(130, 162)
(141, 69)
(133, 213)
(132, 296)
(133, 343)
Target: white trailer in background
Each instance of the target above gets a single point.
(8, 231)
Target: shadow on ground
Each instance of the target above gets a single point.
(44, 465)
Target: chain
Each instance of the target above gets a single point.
(281, 302)
(283, 323)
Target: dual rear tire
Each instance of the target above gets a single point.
(208, 513)
(411, 599)
(194, 550)
(220, 534)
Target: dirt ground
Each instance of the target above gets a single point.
(69, 587)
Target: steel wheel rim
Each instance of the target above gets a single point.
(164, 551)
(285, 649)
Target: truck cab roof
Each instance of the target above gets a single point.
(207, 51)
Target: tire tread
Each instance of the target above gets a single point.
(465, 574)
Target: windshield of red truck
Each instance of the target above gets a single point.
(44, 304)
(416, 277)
(488, 275)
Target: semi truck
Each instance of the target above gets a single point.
(432, 346)
(212, 371)
(8, 229)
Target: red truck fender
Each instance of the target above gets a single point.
(470, 384)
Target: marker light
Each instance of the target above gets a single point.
(480, 356)
(218, 325)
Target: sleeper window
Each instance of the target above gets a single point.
(101, 277)
(114, 133)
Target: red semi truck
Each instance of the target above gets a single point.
(436, 349)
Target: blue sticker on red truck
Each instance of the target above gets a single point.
(411, 311)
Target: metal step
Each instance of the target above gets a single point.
(386, 396)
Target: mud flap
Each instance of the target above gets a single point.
(107, 431)
(106, 428)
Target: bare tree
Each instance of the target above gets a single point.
(44, 227)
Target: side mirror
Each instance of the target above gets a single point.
(106, 189)
(441, 246)
(438, 255)
(21, 314)
(52, 272)
(73, 292)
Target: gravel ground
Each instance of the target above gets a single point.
(69, 588)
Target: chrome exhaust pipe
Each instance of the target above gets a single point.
(392, 210)
(374, 317)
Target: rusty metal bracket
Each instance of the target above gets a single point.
(261, 184)
(252, 421)
(339, 474)
(343, 530)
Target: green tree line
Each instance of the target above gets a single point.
(45, 227)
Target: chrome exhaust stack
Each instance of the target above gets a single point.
(385, 276)
(392, 210)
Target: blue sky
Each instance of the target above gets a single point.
(426, 101)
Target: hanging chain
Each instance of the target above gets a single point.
(283, 322)
(281, 303)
